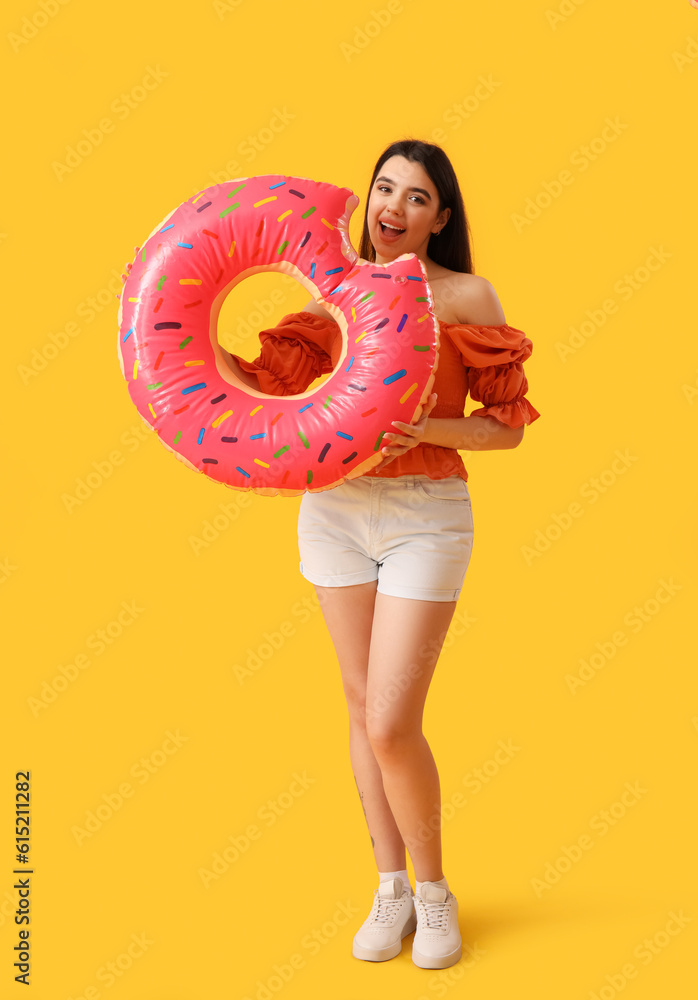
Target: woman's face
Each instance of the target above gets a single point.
(404, 196)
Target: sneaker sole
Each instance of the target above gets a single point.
(436, 961)
(383, 954)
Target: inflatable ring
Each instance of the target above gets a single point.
(181, 384)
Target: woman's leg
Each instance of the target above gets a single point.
(406, 640)
(348, 614)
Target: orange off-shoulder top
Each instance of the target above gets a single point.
(484, 361)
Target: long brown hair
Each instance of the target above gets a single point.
(451, 248)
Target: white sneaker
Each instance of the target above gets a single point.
(437, 942)
(392, 918)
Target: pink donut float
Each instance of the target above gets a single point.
(180, 383)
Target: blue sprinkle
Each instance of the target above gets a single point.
(347, 436)
(280, 184)
(191, 388)
(187, 246)
(242, 471)
(334, 270)
(128, 334)
(395, 376)
(171, 226)
(402, 322)
(201, 435)
(312, 270)
(349, 365)
(253, 437)
(337, 289)
(413, 277)
(306, 407)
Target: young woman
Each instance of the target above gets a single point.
(387, 552)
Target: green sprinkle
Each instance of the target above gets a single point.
(283, 246)
(421, 298)
(155, 385)
(231, 208)
(327, 402)
(235, 190)
(177, 437)
(310, 476)
(309, 212)
(286, 447)
(143, 254)
(304, 439)
(366, 297)
(378, 442)
(161, 282)
(421, 347)
(185, 342)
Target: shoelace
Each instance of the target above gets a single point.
(436, 913)
(385, 909)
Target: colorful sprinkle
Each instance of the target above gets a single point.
(298, 194)
(395, 376)
(408, 393)
(305, 238)
(309, 212)
(161, 282)
(260, 462)
(167, 326)
(256, 410)
(242, 471)
(352, 359)
(277, 185)
(402, 322)
(328, 224)
(230, 208)
(304, 439)
(286, 447)
(348, 437)
(185, 342)
(190, 281)
(312, 270)
(289, 211)
(224, 416)
(201, 435)
(193, 388)
(282, 247)
(349, 457)
(421, 347)
(366, 297)
(321, 456)
(326, 403)
(171, 226)
(187, 246)
(306, 407)
(264, 201)
(202, 207)
(155, 385)
(254, 437)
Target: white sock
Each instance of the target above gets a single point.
(384, 876)
(442, 882)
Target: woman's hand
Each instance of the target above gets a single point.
(399, 443)
(128, 268)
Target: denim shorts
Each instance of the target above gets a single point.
(412, 534)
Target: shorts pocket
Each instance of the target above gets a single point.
(452, 490)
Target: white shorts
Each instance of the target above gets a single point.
(413, 534)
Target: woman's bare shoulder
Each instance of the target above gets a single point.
(318, 310)
(470, 299)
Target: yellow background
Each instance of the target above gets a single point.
(347, 86)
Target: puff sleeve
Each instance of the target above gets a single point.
(494, 357)
(300, 349)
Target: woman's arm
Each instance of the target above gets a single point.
(471, 433)
(247, 378)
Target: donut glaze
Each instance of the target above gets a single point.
(180, 383)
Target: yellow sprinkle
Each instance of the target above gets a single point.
(264, 201)
(328, 224)
(135, 368)
(186, 363)
(408, 393)
(361, 337)
(190, 281)
(155, 416)
(197, 198)
(223, 416)
(260, 462)
(353, 315)
(232, 248)
(134, 300)
(256, 410)
(283, 216)
(422, 318)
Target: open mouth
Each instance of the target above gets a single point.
(388, 232)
